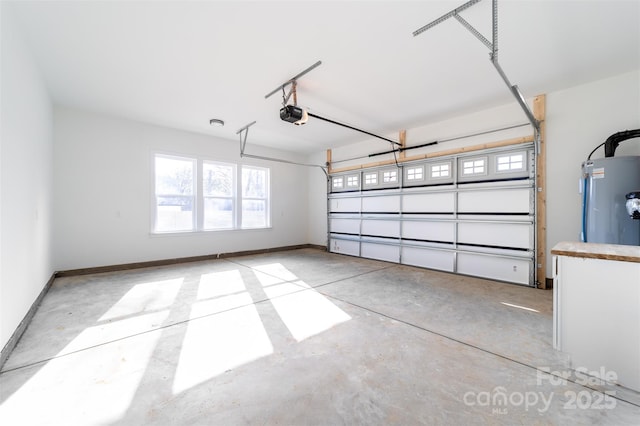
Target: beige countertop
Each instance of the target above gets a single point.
(597, 251)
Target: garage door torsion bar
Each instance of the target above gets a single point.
(493, 46)
(243, 144)
(433, 143)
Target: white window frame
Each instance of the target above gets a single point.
(412, 174)
(199, 197)
(337, 182)
(370, 178)
(194, 195)
(474, 166)
(389, 176)
(266, 198)
(440, 171)
(510, 161)
(351, 183)
(233, 197)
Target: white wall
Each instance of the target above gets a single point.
(25, 180)
(103, 177)
(577, 119)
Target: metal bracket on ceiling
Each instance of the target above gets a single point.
(493, 46)
(243, 141)
(244, 132)
(293, 92)
(293, 81)
(286, 96)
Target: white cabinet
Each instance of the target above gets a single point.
(596, 317)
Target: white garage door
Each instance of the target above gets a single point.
(471, 214)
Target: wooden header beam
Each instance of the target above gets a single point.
(454, 151)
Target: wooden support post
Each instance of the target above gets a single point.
(403, 143)
(539, 112)
(328, 161)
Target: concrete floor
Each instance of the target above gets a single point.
(296, 337)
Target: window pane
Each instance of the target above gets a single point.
(389, 176)
(473, 167)
(217, 180)
(174, 213)
(254, 213)
(254, 182)
(174, 189)
(511, 162)
(218, 213)
(414, 173)
(371, 178)
(174, 176)
(440, 171)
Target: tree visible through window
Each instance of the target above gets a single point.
(218, 189)
(255, 189)
(174, 193)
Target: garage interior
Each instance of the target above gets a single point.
(303, 213)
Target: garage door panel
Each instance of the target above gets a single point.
(381, 228)
(344, 205)
(428, 231)
(345, 226)
(345, 247)
(427, 203)
(495, 201)
(381, 252)
(425, 258)
(495, 234)
(497, 268)
(385, 204)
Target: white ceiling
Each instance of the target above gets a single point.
(180, 63)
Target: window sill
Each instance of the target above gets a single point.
(204, 232)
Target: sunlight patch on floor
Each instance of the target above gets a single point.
(217, 343)
(304, 311)
(88, 387)
(520, 307)
(221, 342)
(145, 297)
(218, 284)
(114, 330)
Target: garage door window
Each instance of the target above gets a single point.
(476, 166)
